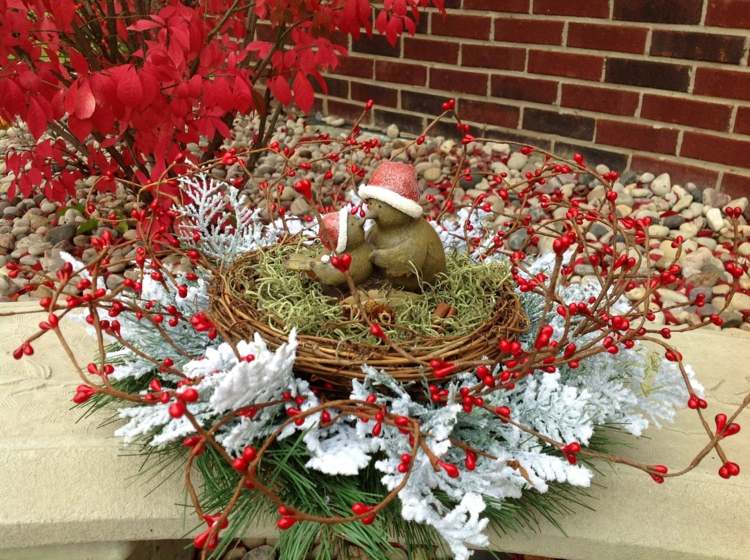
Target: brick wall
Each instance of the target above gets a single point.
(659, 85)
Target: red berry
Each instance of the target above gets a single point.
(177, 409)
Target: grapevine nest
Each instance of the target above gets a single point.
(459, 319)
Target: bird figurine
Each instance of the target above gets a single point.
(406, 249)
(342, 234)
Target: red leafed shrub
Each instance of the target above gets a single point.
(122, 86)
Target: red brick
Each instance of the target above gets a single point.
(686, 111)
(517, 6)
(735, 185)
(659, 11)
(528, 89)
(716, 148)
(636, 136)
(349, 111)
(607, 37)
(679, 172)
(538, 31)
(380, 95)
(455, 80)
(722, 83)
(590, 8)
(646, 73)
(742, 122)
(600, 100)
(408, 123)
(580, 66)
(455, 25)
(355, 66)
(264, 32)
(377, 44)
(562, 124)
(422, 102)
(727, 49)
(614, 160)
(336, 88)
(500, 58)
(433, 51)
(728, 13)
(400, 73)
(489, 113)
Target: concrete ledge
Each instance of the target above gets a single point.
(64, 483)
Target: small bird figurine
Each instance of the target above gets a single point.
(343, 235)
(405, 247)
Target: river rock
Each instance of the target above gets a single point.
(59, 234)
(712, 197)
(265, 552)
(671, 297)
(714, 218)
(658, 231)
(517, 161)
(299, 207)
(673, 222)
(661, 185)
(740, 302)
(683, 202)
(432, 173)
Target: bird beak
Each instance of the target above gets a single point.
(371, 213)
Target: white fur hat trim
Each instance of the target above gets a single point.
(391, 198)
(343, 237)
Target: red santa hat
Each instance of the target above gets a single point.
(333, 232)
(395, 184)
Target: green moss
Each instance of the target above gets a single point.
(291, 298)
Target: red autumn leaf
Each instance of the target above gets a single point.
(243, 98)
(304, 95)
(143, 25)
(80, 128)
(79, 62)
(13, 97)
(262, 48)
(393, 30)
(129, 88)
(381, 22)
(84, 101)
(280, 89)
(36, 118)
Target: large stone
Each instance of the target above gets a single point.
(714, 198)
(517, 161)
(299, 207)
(714, 218)
(683, 202)
(7, 241)
(432, 173)
(740, 302)
(661, 185)
(701, 268)
(265, 552)
(60, 234)
(671, 297)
